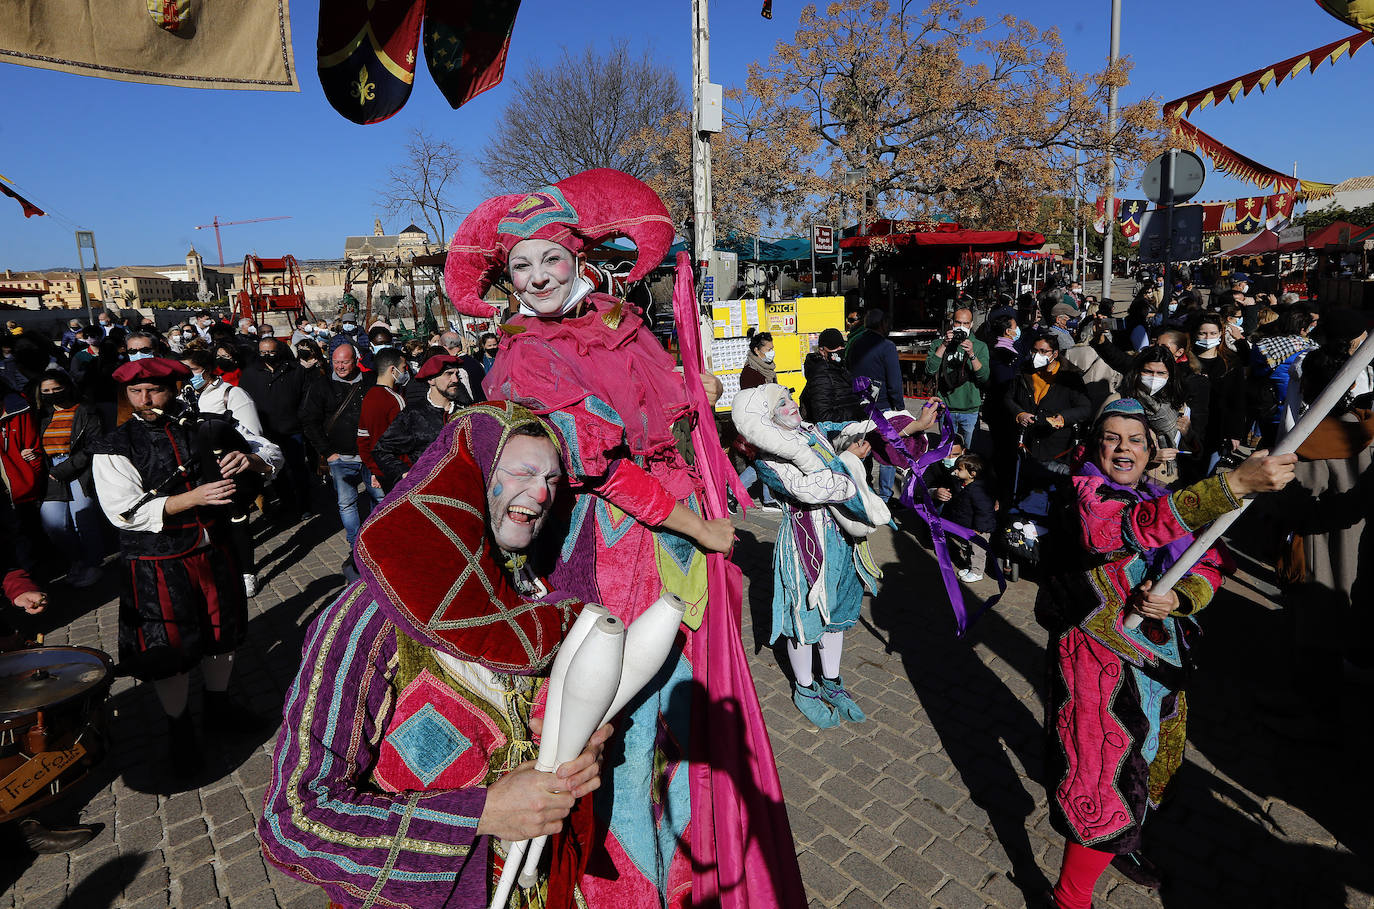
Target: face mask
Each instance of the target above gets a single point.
(225, 364)
(403, 377)
(61, 400)
(1040, 360)
(349, 326)
(1206, 343)
(377, 348)
(270, 359)
(1153, 384)
(1173, 306)
(308, 329)
(1016, 333)
(835, 355)
(768, 357)
(1237, 322)
(491, 352)
(136, 355)
(949, 462)
(197, 380)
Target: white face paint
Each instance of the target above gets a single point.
(787, 414)
(543, 273)
(521, 490)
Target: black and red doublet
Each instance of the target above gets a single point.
(181, 592)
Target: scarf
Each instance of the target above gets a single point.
(1162, 418)
(769, 371)
(1158, 559)
(1040, 384)
(1337, 438)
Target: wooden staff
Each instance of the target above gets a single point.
(1315, 413)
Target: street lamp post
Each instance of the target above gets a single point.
(1110, 210)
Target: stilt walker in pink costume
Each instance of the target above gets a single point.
(589, 363)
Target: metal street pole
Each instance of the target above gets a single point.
(1167, 203)
(1110, 210)
(704, 226)
(811, 226)
(1077, 204)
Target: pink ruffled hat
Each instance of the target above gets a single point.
(576, 213)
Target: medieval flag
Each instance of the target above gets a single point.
(1279, 210)
(1100, 225)
(1132, 210)
(187, 43)
(466, 42)
(1248, 214)
(29, 208)
(1212, 213)
(367, 56)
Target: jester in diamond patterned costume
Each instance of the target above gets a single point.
(406, 747)
(589, 363)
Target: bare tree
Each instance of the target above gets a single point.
(581, 112)
(418, 188)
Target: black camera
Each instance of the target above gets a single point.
(958, 336)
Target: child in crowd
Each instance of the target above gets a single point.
(971, 505)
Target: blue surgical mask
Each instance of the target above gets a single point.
(140, 355)
(197, 380)
(349, 326)
(1016, 333)
(950, 462)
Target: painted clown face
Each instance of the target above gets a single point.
(543, 273)
(521, 490)
(787, 414)
(1124, 450)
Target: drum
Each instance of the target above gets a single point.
(51, 723)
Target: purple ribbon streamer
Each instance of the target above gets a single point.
(925, 508)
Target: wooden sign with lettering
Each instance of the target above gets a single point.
(31, 777)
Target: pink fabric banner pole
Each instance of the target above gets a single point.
(742, 851)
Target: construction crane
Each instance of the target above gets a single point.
(217, 224)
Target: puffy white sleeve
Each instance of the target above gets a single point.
(263, 447)
(118, 485)
(242, 408)
(816, 488)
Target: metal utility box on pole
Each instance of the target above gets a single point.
(1110, 210)
(85, 239)
(706, 119)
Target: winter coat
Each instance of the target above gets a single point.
(86, 429)
(278, 395)
(23, 479)
(321, 400)
(828, 396)
(1226, 418)
(1066, 397)
(406, 439)
(873, 355)
(972, 507)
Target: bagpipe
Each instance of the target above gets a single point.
(212, 437)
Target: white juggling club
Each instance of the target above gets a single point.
(1326, 402)
(594, 671)
(648, 641)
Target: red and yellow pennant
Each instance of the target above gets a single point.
(1229, 161)
(1271, 75)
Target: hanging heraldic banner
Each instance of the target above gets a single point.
(242, 44)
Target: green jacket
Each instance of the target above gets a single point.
(968, 397)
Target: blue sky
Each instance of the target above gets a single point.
(154, 161)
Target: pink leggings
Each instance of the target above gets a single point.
(1078, 875)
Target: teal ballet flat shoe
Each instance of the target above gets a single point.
(814, 706)
(834, 692)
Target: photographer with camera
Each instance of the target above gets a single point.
(962, 368)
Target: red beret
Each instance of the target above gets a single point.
(152, 369)
(437, 364)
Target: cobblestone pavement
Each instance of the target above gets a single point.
(932, 802)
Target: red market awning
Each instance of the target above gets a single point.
(979, 240)
(1336, 232)
(1261, 244)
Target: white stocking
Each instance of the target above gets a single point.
(799, 655)
(832, 645)
(172, 694)
(217, 670)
